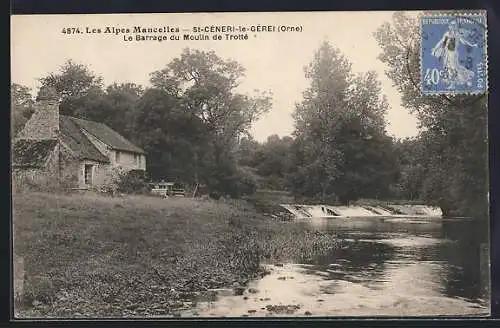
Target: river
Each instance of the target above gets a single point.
(384, 267)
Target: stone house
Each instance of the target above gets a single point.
(58, 151)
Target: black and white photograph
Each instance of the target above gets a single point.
(258, 164)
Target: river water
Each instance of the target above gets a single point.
(384, 267)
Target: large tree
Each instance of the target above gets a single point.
(82, 94)
(206, 88)
(454, 128)
(206, 85)
(317, 120)
(171, 137)
(119, 111)
(79, 88)
(271, 161)
(341, 146)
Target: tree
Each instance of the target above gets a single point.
(75, 82)
(205, 86)
(171, 137)
(411, 156)
(272, 161)
(83, 95)
(341, 145)
(120, 107)
(454, 128)
(318, 116)
(21, 106)
(368, 164)
(247, 151)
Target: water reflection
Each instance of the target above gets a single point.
(382, 267)
(446, 253)
(465, 276)
(356, 261)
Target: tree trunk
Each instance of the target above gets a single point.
(196, 181)
(323, 192)
(344, 201)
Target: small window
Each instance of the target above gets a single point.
(117, 157)
(139, 157)
(88, 174)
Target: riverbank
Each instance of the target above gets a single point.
(94, 256)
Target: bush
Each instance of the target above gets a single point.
(232, 181)
(246, 181)
(133, 182)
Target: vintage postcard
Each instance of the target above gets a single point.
(204, 165)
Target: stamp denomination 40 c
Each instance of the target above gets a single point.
(453, 57)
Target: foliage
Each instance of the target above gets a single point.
(133, 182)
(21, 106)
(412, 170)
(203, 86)
(226, 178)
(247, 181)
(77, 85)
(270, 161)
(172, 138)
(341, 147)
(119, 108)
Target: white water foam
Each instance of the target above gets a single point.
(328, 211)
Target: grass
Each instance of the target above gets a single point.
(87, 255)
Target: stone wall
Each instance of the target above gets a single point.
(101, 174)
(42, 126)
(38, 178)
(69, 169)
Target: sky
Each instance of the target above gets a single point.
(273, 60)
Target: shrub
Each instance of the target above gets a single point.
(133, 182)
(246, 181)
(226, 178)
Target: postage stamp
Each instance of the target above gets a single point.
(453, 53)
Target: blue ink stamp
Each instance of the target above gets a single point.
(453, 58)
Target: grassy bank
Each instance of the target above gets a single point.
(92, 256)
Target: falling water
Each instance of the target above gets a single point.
(327, 211)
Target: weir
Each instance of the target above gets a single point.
(329, 211)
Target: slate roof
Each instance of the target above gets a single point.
(32, 153)
(107, 135)
(73, 137)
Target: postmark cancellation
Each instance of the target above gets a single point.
(453, 57)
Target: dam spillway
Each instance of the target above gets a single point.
(299, 211)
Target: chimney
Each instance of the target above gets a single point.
(44, 123)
